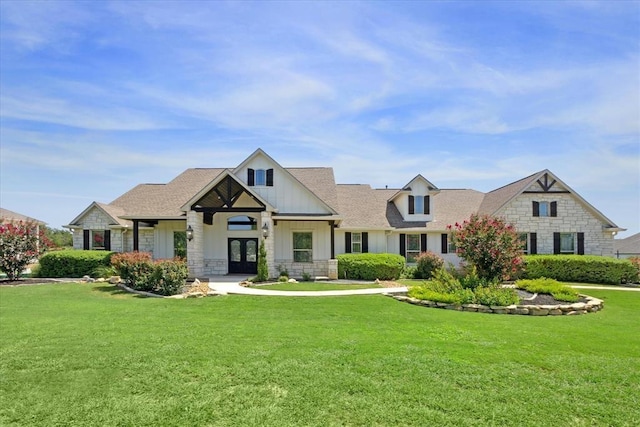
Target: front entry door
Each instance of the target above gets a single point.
(243, 256)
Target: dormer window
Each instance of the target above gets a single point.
(260, 177)
(419, 205)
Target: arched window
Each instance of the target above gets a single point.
(242, 222)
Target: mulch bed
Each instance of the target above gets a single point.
(541, 299)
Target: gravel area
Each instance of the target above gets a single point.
(540, 299)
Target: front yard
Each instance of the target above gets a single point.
(89, 354)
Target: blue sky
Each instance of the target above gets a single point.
(96, 97)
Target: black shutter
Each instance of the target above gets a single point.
(536, 209)
(411, 207)
(365, 242)
(207, 218)
(107, 240)
(427, 208)
(556, 243)
(580, 243)
(554, 208)
(444, 242)
(533, 243)
(403, 247)
(269, 177)
(86, 235)
(423, 242)
(347, 243)
(251, 177)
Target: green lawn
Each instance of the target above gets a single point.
(80, 354)
(317, 286)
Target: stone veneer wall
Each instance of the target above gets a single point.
(95, 219)
(572, 217)
(295, 269)
(215, 267)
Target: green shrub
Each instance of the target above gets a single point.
(493, 295)
(263, 269)
(426, 264)
(104, 272)
(458, 297)
(635, 261)
(370, 266)
(306, 277)
(282, 271)
(580, 268)
(72, 263)
(549, 286)
(409, 272)
(283, 279)
(472, 281)
(135, 269)
(169, 276)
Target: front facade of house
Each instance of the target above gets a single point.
(218, 217)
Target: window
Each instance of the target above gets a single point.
(567, 243)
(545, 209)
(261, 177)
(356, 243)
(413, 247)
(523, 238)
(419, 205)
(241, 223)
(303, 247)
(97, 239)
(180, 244)
(452, 246)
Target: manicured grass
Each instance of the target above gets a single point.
(317, 286)
(79, 354)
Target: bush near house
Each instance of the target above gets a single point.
(580, 268)
(20, 245)
(73, 263)
(370, 266)
(427, 263)
(140, 272)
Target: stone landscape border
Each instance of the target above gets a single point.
(592, 305)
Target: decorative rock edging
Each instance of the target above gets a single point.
(179, 296)
(592, 305)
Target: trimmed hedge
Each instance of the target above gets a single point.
(580, 268)
(370, 266)
(73, 263)
(139, 271)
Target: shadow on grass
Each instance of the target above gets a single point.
(116, 291)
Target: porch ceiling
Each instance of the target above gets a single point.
(223, 196)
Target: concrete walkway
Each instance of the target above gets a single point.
(608, 288)
(227, 285)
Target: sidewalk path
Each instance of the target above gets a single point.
(235, 288)
(608, 288)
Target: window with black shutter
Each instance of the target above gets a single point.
(403, 247)
(554, 209)
(580, 243)
(444, 243)
(347, 242)
(86, 238)
(365, 242)
(269, 177)
(533, 243)
(411, 205)
(251, 174)
(427, 206)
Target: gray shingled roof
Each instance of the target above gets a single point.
(497, 198)
(629, 245)
(360, 206)
(14, 216)
(319, 181)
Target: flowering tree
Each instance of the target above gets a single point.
(489, 244)
(20, 244)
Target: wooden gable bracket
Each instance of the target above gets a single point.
(546, 186)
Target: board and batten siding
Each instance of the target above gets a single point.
(418, 189)
(284, 239)
(163, 237)
(287, 193)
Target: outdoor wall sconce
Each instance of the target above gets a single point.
(189, 233)
(265, 230)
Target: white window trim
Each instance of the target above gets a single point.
(525, 250)
(256, 182)
(574, 244)
(91, 241)
(546, 212)
(412, 251)
(354, 242)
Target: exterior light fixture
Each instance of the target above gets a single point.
(189, 233)
(265, 230)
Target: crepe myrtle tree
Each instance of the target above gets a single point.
(490, 245)
(21, 243)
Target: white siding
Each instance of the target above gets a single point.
(418, 189)
(163, 237)
(284, 239)
(287, 194)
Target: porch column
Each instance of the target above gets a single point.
(269, 242)
(195, 247)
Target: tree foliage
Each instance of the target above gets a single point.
(489, 244)
(20, 245)
(59, 238)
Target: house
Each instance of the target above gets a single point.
(627, 247)
(306, 219)
(7, 216)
